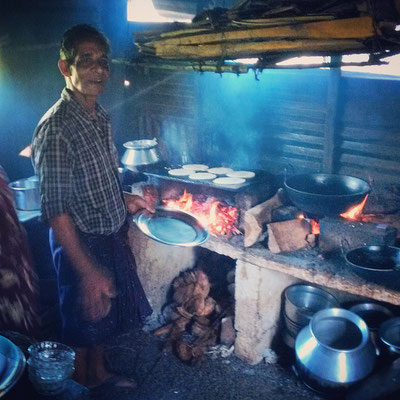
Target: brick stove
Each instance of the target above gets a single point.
(261, 276)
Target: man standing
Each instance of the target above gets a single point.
(82, 201)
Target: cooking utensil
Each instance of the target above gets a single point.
(303, 301)
(334, 350)
(373, 314)
(389, 338)
(140, 152)
(26, 193)
(380, 264)
(172, 227)
(325, 194)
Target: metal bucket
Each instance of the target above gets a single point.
(26, 194)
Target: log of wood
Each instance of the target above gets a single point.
(288, 235)
(259, 215)
(350, 28)
(254, 49)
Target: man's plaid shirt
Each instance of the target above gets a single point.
(77, 164)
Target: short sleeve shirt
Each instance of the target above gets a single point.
(77, 164)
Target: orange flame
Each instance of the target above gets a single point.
(354, 212)
(219, 217)
(315, 227)
(315, 230)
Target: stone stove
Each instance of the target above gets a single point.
(261, 276)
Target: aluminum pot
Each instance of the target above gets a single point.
(389, 338)
(303, 301)
(140, 152)
(26, 194)
(373, 314)
(334, 351)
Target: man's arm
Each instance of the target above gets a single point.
(96, 290)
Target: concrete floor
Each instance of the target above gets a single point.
(162, 376)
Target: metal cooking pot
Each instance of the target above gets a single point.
(325, 194)
(140, 152)
(303, 301)
(334, 351)
(389, 338)
(380, 264)
(26, 193)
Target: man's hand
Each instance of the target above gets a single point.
(96, 291)
(96, 294)
(135, 203)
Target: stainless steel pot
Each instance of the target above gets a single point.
(26, 194)
(303, 301)
(389, 338)
(334, 351)
(140, 152)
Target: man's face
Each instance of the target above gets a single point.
(90, 69)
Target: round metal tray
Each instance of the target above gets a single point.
(172, 227)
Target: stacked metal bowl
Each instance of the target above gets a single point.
(301, 302)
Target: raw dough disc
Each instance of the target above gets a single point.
(220, 170)
(179, 172)
(202, 176)
(241, 174)
(229, 181)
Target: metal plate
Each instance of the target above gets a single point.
(12, 365)
(172, 227)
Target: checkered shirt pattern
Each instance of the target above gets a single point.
(77, 164)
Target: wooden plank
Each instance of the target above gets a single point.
(297, 111)
(369, 162)
(303, 151)
(303, 125)
(277, 165)
(374, 149)
(331, 140)
(387, 136)
(369, 174)
(249, 49)
(315, 140)
(350, 28)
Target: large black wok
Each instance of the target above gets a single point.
(325, 194)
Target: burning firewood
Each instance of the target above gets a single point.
(259, 215)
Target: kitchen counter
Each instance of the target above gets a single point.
(309, 265)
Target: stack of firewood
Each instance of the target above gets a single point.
(195, 315)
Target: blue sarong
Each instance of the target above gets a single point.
(129, 308)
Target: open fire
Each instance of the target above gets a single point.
(220, 218)
(353, 213)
